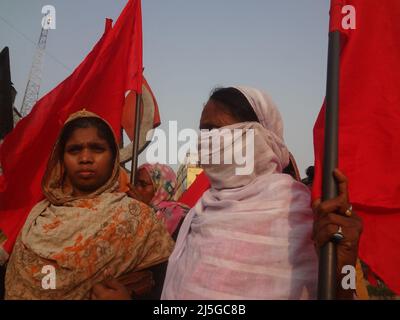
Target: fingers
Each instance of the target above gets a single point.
(93, 293)
(339, 204)
(342, 182)
(339, 175)
(107, 273)
(325, 234)
(93, 296)
(325, 227)
(109, 290)
(335, 220)
(113, 284)
(316, 203)
(98, 289)
(330, 215)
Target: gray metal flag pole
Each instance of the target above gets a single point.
(327, 285)
(6, 95)
(136, 138)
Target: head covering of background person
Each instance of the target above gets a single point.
(123, 180)
(248, 237)
(164, 186)
(82, 236)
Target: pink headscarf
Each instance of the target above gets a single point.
(164, 182)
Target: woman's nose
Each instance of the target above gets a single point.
(85, 156)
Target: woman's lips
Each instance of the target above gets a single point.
(86, 174)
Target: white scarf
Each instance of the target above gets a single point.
(248, 237)
(260, 151)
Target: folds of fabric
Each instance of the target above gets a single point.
(83, 239)
(253, 149)
(252, 242)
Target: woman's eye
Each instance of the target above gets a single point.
(99, 149)
(73, 150)
(141, 184)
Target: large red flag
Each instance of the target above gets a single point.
(369, 126)
(99, 84)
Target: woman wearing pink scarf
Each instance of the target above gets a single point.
(156, 186)
(250, 236)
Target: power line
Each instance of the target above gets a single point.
(33, 42)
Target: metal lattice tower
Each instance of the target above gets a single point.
(35, 75)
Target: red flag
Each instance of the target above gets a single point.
(200, 185)
(369, 126)
(99, 84)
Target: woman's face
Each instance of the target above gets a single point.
(215, 116)
(144, 185)
(88, 161)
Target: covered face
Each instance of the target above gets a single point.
(247, 140)
(84, 161)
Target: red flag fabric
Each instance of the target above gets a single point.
(99, 84)
(196, 190)
(335, 21)
(369, 126)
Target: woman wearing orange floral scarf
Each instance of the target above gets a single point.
(85, 229)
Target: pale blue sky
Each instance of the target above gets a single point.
(190, 47)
